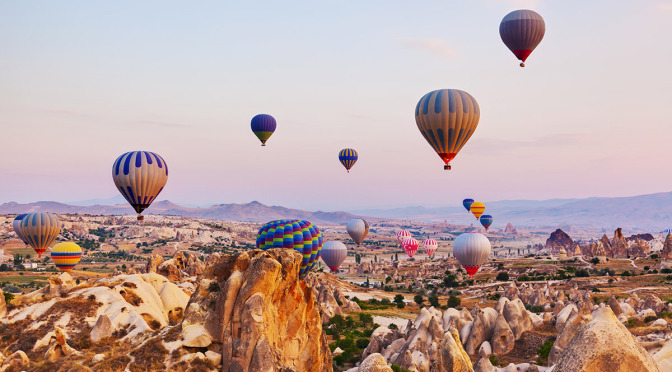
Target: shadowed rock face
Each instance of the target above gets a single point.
(667, 247)
(259, 314)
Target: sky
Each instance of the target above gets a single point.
(82, 82)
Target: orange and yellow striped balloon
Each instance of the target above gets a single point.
(477, 209)
(66, 255)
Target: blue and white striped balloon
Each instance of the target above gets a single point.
(140, 176)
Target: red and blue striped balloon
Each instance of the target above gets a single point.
(263, 127)
(467, 204)
(348, 157)
(486, 221)
(300, 235)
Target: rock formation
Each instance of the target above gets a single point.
(666, 253)
(559, 239)
(619, 245)
(604, 344)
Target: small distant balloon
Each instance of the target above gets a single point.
(477, 209)
(430, 246)
(358, 229)
(471, 250)
(140, 176)
(66, 255)
(467, 203)
(40, 230)
(263, 127)
(333, 254)
(486, 221)
(522, 30)
(410, 246)
(300, 235)
(348, 157)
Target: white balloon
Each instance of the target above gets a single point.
(358, 229)
(471, 250)
(333, 254)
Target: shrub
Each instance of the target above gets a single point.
(493, 360)
(650, 318)
(8, 297)
(503, 276)
(595, 289)
(419, 299)
(434, 301)
(654, 256)
(625, 273)
(595, 261)
(213, 287)
(393, 326)
(666, 270)
(544, 350)
(646, 268)
(92, 297)
(362, 343)
(400, 305)
(581, 273)
(454, 301)
(396, 368)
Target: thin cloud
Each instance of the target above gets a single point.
(665, 6)
(434, 46)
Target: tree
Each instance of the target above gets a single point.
(454, 301)
(358, 258)
(503, 276)
(419, 299)
(396, 257)
(399, 299)
(388, 279)
(595, 261)
(434, 301)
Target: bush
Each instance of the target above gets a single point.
(581, 273)
(493, 360)
(595, 289)
(8, 297)
(434, 301)
(646, 268)
(400, 305)
(419, 299)
(626, 273)
(503, 276)
(650, 318)
(393, 326)
(362, 343)
(654, 256)
(595, 261)
(454, 301)
(396, 368)
(544, 350)
(666, 270)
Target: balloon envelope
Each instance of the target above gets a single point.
(263, 127)
(477, 209)
(410, 246)
(471, 250)
(486, 221)
(467, 203)
(300, 235)
(16, 224)
(358, 229)
(140, 176)
(348, 157)
(403, 235)
(447, 118)
(40, 230)
(430, 246)
(333, 254)
(521, 31)
(66, 255)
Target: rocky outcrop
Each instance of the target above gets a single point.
(606, 243)
(559, 239)
(153, 263)
(374, 363)
(666, 253)
(604, 344)
(183, 264)
(503, 339)
(59, 347)
(517, 317)
(255, 310)
(451, 356)
(510, 229)
(619, 245)
(575, 322)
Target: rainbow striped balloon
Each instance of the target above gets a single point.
(348, 158)
(66, 255)
(300, 235)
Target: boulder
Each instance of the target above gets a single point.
(666, 253)
(604, 344)
(615, 306)
(374, 363)
(102, 329)
(59, 347)
(502, 337)
(483, 364)
(97, 358)
(451, 356)
(517, 317)
(575, 322)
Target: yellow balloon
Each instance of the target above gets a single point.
(477, 209)
(66, 255)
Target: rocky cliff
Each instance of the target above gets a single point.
(559, 239)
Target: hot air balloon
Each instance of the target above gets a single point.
(665, 232)
(299, 235)
(263, 127)
(477, 209)
(66, 255)
(410, 246)
(16, 224)
(403, 235)
(358, 229)
(40, 230)
(471, 250)
(486, 221)
(447, 118)
(333, 254)
(140, 176)
(348, 157)
(467, 203)
(430, 246)
(521, 31)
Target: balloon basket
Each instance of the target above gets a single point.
(141, 217)
(447, 167)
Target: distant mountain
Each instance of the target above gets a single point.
(250, 212)
(649, 212)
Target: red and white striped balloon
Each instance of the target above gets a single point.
(403, 235)
(410, 246)
(430, 246)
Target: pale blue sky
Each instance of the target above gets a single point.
(82, 82)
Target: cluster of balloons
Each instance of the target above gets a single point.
(477, 209)
(263, 126)
(39, 230)
(410, 245)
